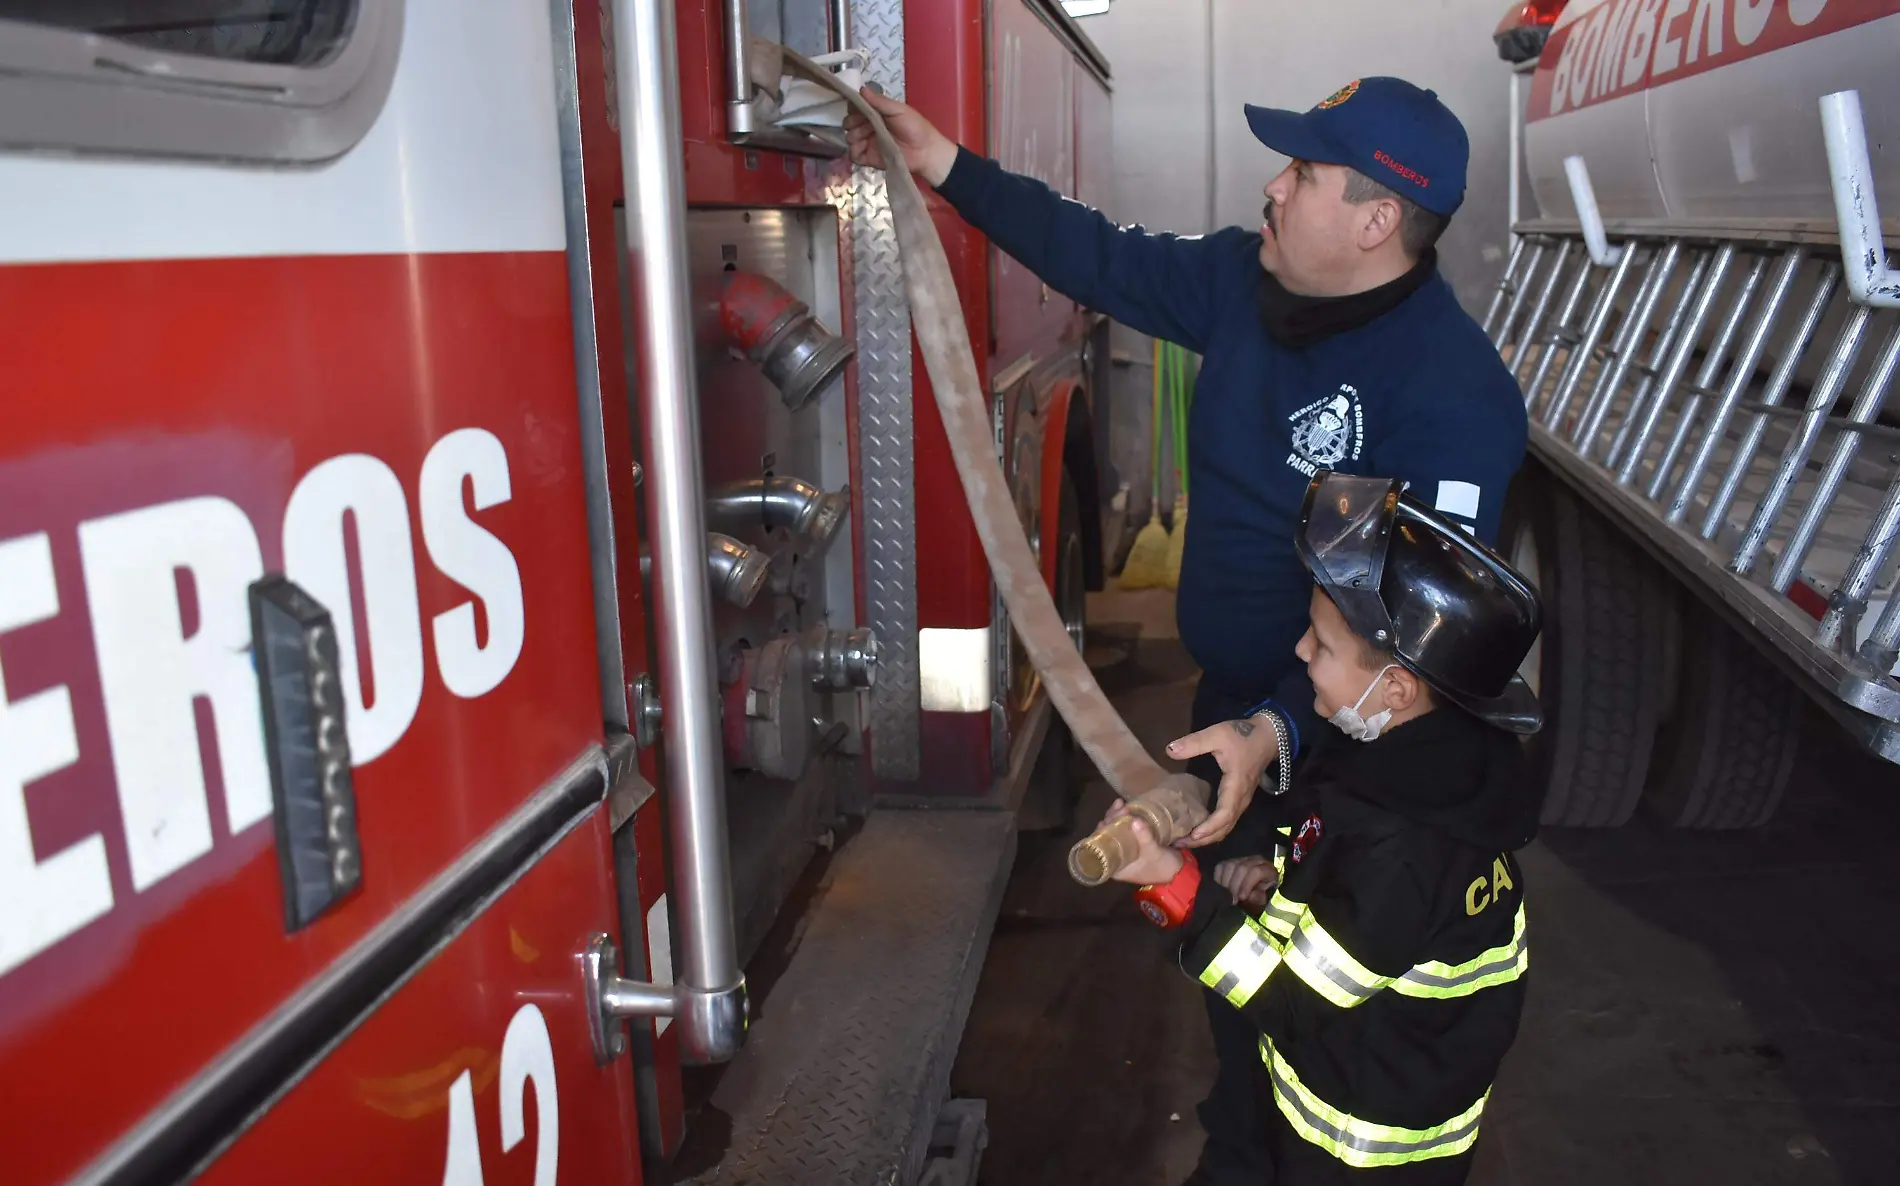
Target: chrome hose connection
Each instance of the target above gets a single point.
(739, 572)
(840, 660)
(778, 502)
(779, 332)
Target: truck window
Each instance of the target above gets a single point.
(270, 81)
(277, 32)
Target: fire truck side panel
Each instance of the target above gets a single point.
(701, 37)
(1613, 138)
(968, 69)
(360, 374)
(943, 79)
(479, 1069)
(1707, 111)
(1763, 156)
(1044, 102)
(1032, 132)
(953, 581)
(1095, 186)
(1094, 143)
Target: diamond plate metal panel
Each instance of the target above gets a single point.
(884, 423)
(846, 1067)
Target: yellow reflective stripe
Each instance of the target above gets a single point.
(1242, 965)
(1282, 914)
(1362, 1143)
(1271, 929)
(1328, 968)
(1499, 965)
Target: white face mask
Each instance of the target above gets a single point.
(1349, 722)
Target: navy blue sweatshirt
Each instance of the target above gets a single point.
(1418, 393)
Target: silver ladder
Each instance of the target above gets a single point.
(1645, 385)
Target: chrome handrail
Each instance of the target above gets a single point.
(738, 66)
(840, 25)
(711, 990)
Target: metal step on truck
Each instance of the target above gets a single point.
(482, 575)
(1696, 306)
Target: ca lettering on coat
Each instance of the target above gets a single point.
(1484, 891)
(1501, 876)
(1477, 896)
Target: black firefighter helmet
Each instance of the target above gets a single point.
(1412, 582)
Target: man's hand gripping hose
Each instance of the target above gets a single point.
(1151, 792)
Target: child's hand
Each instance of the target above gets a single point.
(1248, 879)
(1153, 864)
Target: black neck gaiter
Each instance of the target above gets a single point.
(1297, 322)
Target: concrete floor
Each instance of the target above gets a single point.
(1704, 1007)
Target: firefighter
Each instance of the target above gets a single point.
(1329, 341)
(1386, 973)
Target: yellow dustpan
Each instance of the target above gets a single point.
(1147, 565)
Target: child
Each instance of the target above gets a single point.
(1386, 970)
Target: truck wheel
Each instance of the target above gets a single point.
(1728, 754)
(1599, 667)
(1055, 784)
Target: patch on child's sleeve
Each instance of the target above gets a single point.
(1307, 836)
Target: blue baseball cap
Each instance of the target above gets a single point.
(1398, 134)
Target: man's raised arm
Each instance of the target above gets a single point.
(1161, 285)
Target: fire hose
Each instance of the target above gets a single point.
(1171, 803)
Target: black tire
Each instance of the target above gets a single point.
(1600, 668)
(1056, 782)
(1727, 756)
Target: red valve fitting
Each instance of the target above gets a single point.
(778, 331)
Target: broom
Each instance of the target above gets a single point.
(1178, 407)
(1147, 566)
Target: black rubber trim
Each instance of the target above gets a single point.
(242, 1084)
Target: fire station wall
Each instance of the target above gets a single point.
(1185, 160)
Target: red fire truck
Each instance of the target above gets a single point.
(430, 427)
(1697, 310)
